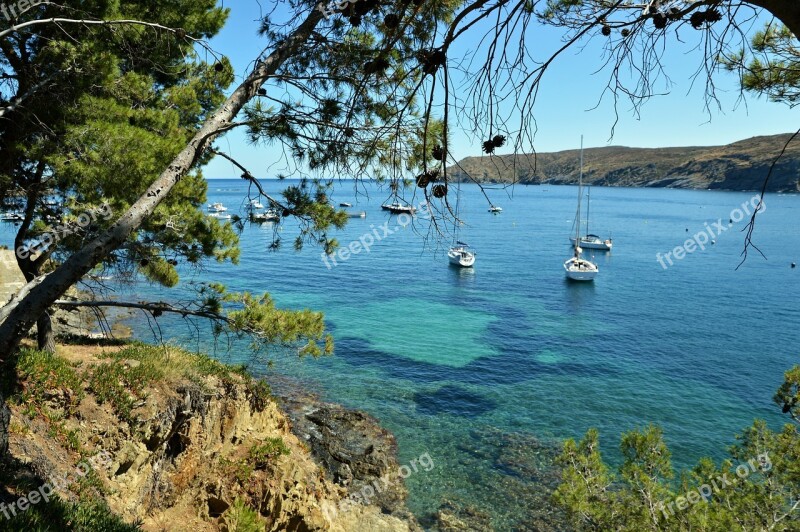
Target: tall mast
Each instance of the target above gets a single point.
(457, 221)
(580, 198)
(588, 205)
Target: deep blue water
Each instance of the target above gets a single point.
(455, 362)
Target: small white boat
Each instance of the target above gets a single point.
(398, 208)
(345, 204)
(495, 209)
(461, 255)
(590, 241)
(578, 268)
(220, 216)
(217, 207)
(11, 217)
(270, 215)
(362, 214)
(255, 204)
(594, 242)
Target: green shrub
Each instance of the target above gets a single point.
(241, 518)
(262, 455)
(57, 515)
(46, 377)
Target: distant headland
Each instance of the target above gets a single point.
(742, 165)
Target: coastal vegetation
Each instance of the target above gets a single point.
(756, 488)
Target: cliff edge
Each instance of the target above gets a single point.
(160, 439)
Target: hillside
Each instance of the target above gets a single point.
(741, 165)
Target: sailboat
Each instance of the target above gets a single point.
(590, 241)
(460, 253)
(578, 268)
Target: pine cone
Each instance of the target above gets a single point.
(391, 21)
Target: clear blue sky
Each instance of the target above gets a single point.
(565, 105)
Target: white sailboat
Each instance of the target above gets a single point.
(460, 253)
(590, 241)
(270, 215)
(576, 267)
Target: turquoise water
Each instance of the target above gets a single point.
(478, 367)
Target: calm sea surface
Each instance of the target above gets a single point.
(476, 366)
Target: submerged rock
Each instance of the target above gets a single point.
(453, 517)
(357, 452)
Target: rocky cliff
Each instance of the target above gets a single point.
(741, 165)
(188, 444)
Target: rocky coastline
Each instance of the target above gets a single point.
(188, 452)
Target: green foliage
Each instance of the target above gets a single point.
(772, 66)
(263, 455)
(123, 384)
(241, 518)
(123, 381)
(57, 515)
(757, 488)
(111, 109)
(47, 380)
(258, 317)
(788, 395)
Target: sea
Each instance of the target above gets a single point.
(487, 370)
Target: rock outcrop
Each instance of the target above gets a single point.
(192, 450)
(353, 447)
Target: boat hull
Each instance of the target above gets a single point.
(398, 210)
(462, 259)
(581, 270)
(594, 244)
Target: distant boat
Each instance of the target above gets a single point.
(11, 217)
(270, 215)
(495, 209)
(590, 241)
(594, 242)
(217, 207)
(220, 216)
(255, 204)
(578, 268)
(345, 204)
(459, 253)
(398, 208)
(362, 214)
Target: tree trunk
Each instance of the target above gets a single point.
(5, 416)
(787, 11)
(19, 315)
(45, 337)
